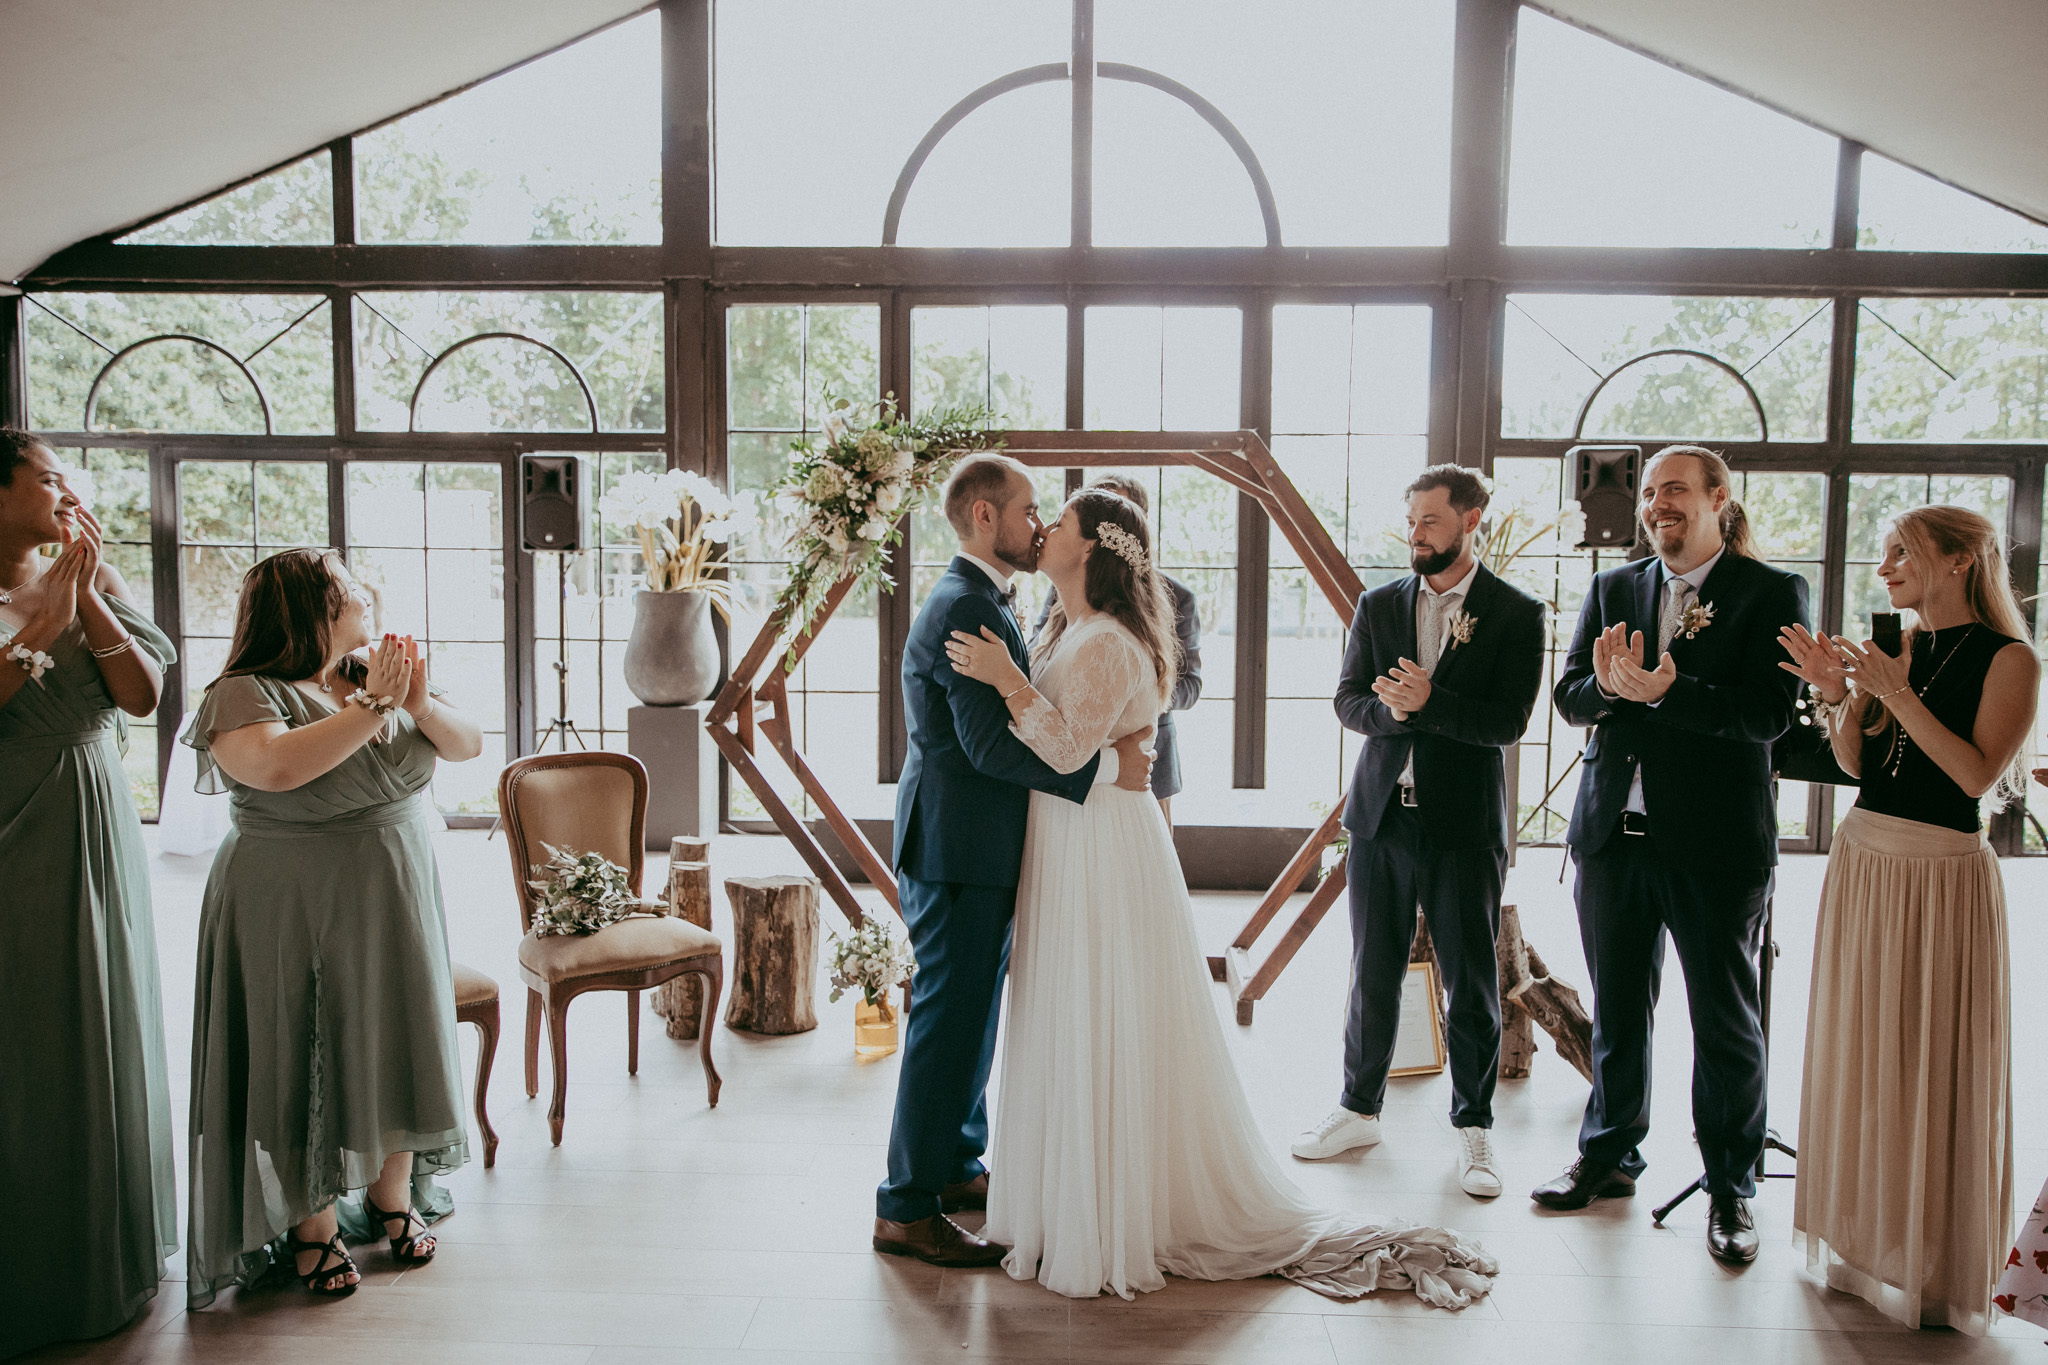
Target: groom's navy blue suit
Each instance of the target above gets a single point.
(1701, 866)
(960, 809)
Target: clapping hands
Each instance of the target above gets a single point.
(1404, 688)
(391, 670)
(1618, 667)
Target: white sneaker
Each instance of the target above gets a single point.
(1476, 1173)
(1340, 1132)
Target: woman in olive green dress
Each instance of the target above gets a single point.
(323, 1031)
(86, 1198)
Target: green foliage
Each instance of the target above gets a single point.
(1952, 370)
(293, 205)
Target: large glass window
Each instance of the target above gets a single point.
(1347, 108)
(250, 363)
(1350, 428)
(1899, 209)
(1875, 499)
(785, 364)
(292, 206)
(556, 360)
(817, 109)
(563, 149)
(1952, 370)
(1598, 131)
(1558, 348)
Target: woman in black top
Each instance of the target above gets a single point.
(1905, 1125)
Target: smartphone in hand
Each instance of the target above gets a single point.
(1885, 633)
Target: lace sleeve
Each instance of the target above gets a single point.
(1106, 672)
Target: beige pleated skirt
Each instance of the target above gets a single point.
(1905, 1194)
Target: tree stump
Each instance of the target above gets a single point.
(775, 954)
(680, 999)
(688, 848)
(1551, 1003)
(1517, 1029)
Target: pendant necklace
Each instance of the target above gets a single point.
(1901, 741)
(7, 594)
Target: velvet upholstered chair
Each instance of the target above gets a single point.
(595, 802)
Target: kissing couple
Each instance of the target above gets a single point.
(1124, 1148)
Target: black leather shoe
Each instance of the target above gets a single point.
(1582, 1182)
(1731, 1232)
(970, 1196)
(936, 1240)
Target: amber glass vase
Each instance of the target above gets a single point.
(875, 1027)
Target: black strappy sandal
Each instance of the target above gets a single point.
(405, 1246)
(318, 1278)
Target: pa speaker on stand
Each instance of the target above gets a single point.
(1606, 481)
(554, 515)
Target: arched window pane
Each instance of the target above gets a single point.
(563, 149)
(1952, 370)
(1348, 107)
(818, 103)
(1902, 210)
(613, 338)
(1557, 346)
(1000, 177)
(1671, 394)
(283, 338)
(1611, 148)
(293, 205)
(1164, 177)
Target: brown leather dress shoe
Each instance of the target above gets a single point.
(936, 1240)
(965, 1196)
(1582, 1182)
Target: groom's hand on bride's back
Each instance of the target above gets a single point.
(1134, 763)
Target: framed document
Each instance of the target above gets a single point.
(1419, 1043)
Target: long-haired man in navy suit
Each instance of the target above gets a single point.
(1441, 672)
(1675, 669)
(959, 843)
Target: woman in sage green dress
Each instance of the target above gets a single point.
(86, 1198)
(323, 1031)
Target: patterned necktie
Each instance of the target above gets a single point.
(1430, 646)
(1678, 596)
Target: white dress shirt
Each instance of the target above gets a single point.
(1695, 580)
(1111, 764)
(1443, 605)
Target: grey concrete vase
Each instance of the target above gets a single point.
(671, 656)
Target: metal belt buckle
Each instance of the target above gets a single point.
(1408, 798)
(1634, 822)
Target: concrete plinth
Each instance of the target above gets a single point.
(682, 770)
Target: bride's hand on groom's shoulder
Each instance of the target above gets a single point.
(984, 658)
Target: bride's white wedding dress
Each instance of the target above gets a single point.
(1124, 1148)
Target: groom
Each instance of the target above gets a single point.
(960, 808)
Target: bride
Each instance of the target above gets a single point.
(1124, 1149)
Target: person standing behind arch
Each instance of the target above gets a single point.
(85, 1108)
(1187, 629)
(1675, 831)
(1905, 1187)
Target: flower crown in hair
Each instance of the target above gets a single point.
(1123, 544)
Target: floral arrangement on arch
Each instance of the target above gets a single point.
(684, 522)
(873, 961)
(850, 487)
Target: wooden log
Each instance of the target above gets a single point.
(688, 848)
(680, 1000)
(1555, 1006)
(1517, 1030)
(774, 954)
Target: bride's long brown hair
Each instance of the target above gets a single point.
(1135, 597)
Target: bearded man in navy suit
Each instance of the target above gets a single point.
(1441, 672)
(959, 844)
(1675, 831)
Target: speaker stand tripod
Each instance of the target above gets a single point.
(1766, 961)
(561, 728)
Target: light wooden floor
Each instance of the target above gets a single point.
(665, 1233)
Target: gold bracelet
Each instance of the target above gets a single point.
(127, 642)
(1015, 690)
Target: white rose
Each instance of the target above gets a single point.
(874, 528)
(888, 497)
(901, 464)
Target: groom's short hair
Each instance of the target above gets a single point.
(1467, 490)
(982, 477)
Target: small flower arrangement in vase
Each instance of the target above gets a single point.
(579, 893)
(873, 961)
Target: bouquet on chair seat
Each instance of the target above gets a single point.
(580, 893)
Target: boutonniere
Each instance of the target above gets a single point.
(1459, 628)
(1695, 619)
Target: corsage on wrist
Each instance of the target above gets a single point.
(382, 706)
(33, 662)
